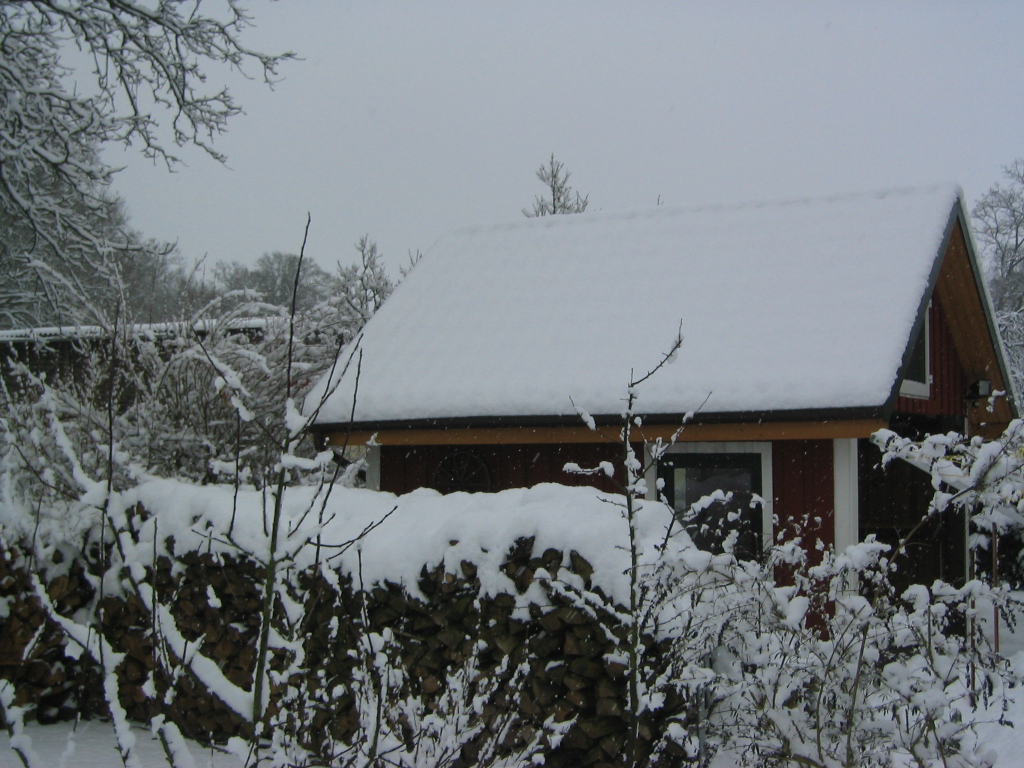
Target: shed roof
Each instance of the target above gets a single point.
(800, 305)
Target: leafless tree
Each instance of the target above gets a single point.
(999, 227)
(147, 84)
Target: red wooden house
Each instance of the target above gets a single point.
(807, 325)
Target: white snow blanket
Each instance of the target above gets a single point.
(793, 305)
(424, 529)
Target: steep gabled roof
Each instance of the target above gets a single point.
(800, 306)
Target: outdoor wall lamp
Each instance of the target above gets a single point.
(982, 388)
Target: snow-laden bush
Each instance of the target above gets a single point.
(798, 660)
(785, 663)
(206, 399)
(213, 398)
(808, 671)
(984, 479)
(842, 678)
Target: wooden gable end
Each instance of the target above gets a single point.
(948, 381)
(963, 344)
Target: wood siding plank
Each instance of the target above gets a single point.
(958, 290)
(804, 487)
(406, 468)
(949, 382)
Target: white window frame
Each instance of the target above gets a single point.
(922, 390)
(764, 449)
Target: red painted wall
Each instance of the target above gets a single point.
(803, 482)
(403, 469)
(948, 380)
(803, 475)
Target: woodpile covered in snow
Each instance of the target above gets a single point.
(475, 630)
(576, 671)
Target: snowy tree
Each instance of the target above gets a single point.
(38, 290)
(354, 292)
(161, 287)
(563, 198)
(999, 227)
(57, 118)
(215, 401)
(365, 284)
(201, 397)
(273, 278)
(20, 290)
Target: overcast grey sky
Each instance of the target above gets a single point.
(405, 120)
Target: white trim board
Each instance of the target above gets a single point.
(922, 390)
(846, 504)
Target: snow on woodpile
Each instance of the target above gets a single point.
(424, 529)
(792, 305)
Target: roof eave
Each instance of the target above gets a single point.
(493, 422)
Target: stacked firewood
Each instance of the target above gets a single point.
(32, 651)
(547, 657)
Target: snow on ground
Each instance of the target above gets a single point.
(1007, 744)
(1004, 744)
(92, 745)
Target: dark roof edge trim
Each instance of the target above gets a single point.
(490, 422)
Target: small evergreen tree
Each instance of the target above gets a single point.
(563, 198)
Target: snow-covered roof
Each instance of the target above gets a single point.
(144, 330)
(795, 305)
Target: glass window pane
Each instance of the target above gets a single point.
(917, 365)
(690, 477)
(698, 482)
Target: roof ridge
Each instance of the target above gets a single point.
(569, 220)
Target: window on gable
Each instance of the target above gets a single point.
(917, 377)
(691, 479)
